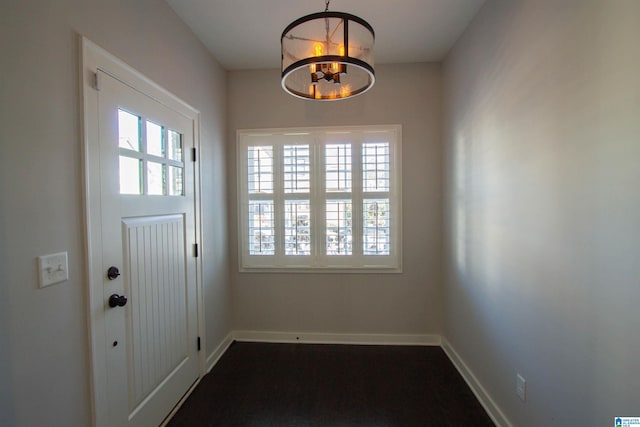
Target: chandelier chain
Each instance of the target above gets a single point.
(326, 4)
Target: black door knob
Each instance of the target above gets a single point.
(116, 300)
(113, 273)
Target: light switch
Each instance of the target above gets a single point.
(52, 269)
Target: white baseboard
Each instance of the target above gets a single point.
(329, 338)
(215, 355)
(483, 397)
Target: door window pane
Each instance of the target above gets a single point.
(155, 178)
(155, 139)
(130, 176)
(128, 130)
(164, 176)
(175, 181)
(175, 146)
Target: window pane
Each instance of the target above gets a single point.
(175, 181)
(261, 228)
(260, 162)
(128, 130)
(155, 139)
(297, 231)
(375, 236)
(130, 182)
(338, 167)
(338, 231)
(296, 169)
(155, 178)
(175, 146)
(375, 166)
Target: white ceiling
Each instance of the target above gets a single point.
(245, 34)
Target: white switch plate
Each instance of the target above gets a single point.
(52, 269)
(521, 387)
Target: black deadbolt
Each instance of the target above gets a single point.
(113, 273)
(116, 300)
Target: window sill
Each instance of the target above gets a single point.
(324, 270)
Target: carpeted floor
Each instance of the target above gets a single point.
(260, 384)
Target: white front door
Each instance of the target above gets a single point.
(146, 328)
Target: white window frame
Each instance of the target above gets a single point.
(317, 138)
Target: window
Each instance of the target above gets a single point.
(151, 160)
(320, 199)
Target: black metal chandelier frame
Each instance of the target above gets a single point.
(343, 60)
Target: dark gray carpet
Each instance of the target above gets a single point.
(259, 384)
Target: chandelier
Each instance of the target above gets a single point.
(327, 56)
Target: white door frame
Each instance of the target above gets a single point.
(94, 58)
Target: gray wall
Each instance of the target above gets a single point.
(542, 128)
(44, 371)
(408, 303)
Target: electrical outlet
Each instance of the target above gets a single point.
(52, 269)
(521, 387)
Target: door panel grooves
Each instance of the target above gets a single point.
(155, 250)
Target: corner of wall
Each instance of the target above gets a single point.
(485, 399)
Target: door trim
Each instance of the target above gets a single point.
(92, 59)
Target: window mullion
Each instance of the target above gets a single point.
(243, 198)
(278, 201)
(314, 199)
(356, 192)
(143, 150)
(319, 201)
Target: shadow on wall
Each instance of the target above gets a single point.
(6, 380)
